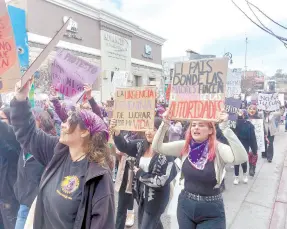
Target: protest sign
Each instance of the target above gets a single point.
(134, 108)
(281, 99)
(70, 73)
(43, 55)
(198, 89)
(9, 65)
(232, 106)
(233, 83)
(109, 108)
(268, 102)
(259, 132)
(120, 79)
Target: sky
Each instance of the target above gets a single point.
(210, 27)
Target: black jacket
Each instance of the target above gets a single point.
(9, 154)
(28, 179)
(97, 205)
(162, 170)
(246, 134)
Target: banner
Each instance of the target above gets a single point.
(70, 73)
(268, 102)
(233, 83)
(232, 106)
(198, 89)
(134, 108)
(9, 64)
(120, 79)
(259, 132)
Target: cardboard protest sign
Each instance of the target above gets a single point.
(233, 83)
(70, 73)
(120, 79)
(268, 102)
(9, 65)
(259, 132)
(198, 89)
(43, 55)
(134, 108)
(232, 106)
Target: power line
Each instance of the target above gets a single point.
(266, 15)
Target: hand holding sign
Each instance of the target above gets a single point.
(113, 125)
(21, 93)
(88, 91)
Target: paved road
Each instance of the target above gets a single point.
(251, 206)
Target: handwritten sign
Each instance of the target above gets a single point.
(120, 79)
(134, 108)
(70, 73)
(268, 102)
(198, 89)
(9, 65)
(259, 132)
(232, 106)
(233, 83)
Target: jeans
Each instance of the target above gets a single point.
(147, 220)
(286, 122)
(236, 168)
(193, 214)
(126, 202)
(22, 217)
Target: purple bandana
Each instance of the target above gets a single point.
(198, 154)
(93, 122)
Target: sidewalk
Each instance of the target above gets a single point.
(262, 203)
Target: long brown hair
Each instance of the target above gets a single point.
(212, 142)
(96, 145)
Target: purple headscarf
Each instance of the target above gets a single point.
(93, 122)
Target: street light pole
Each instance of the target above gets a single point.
(246, 42)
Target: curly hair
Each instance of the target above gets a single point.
(96, 145)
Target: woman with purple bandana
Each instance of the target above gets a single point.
(76, 189)
(200, 204)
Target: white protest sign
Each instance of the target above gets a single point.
(120, 79)
(268, 102)
(233, 83)
(259, 132)
(281, 99)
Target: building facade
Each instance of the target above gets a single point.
(99, 37)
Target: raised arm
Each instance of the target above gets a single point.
(95, 107)
(234, 153)
(34, 140)
(130, 148)
(171, 148)
(60, 111)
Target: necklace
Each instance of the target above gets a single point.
(79, 158)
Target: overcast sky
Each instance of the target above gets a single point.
(210, 27)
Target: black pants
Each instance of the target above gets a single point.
(147, 220)
(236, 168)
(193, 214)
(126, 202)
(269, 150)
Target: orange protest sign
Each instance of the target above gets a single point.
(9, 65)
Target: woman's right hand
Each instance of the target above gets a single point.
(113, 125)
(22, 93)
(166, 116)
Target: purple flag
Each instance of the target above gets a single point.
(70, 73)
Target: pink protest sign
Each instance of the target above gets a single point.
(70, 73)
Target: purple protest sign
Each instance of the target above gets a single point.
(231, 106)
(70, 73)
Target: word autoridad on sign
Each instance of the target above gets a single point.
(198, 89)
(134, 108)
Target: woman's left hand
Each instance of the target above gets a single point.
(88, 91)
(136, 169)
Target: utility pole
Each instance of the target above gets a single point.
(246, 42)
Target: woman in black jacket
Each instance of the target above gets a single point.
(153, 174)
(76, 189)
(9, 154)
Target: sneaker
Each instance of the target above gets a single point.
(245, 178)
(130, 219)
(236, 181)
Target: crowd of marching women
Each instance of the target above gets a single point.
(56, 165)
